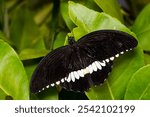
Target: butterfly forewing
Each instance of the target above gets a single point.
(108, 43)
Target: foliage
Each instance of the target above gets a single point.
(31, 29)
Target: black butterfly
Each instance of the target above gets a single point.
(81, 64)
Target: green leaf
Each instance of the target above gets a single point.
(13, 78)
(3, 37)
(65, 15)
(60, 39)
(139, 85)
(48, 94)
(147, 58)
(91, 20)
(141, 27)
(30, 66)
(111, 7)
(24, 32)
(27, 54)
(2, 95)
(124, 67)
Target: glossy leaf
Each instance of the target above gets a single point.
(139, 85)
(111, 7)
(141, 28)
(13, 78)
(91, 20)
(124, 67)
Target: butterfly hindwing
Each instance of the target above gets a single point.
(89, 80)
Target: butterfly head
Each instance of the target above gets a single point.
(71, 40)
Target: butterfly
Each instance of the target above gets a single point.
(81, 64)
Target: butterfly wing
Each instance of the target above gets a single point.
(83, 71)
(107, 43)
(83, 64)
(89, 80)
(66, 66)
(100, 46)
(51, 69)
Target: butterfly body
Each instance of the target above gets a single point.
(82, 64)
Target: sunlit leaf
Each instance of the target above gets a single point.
(111, 7)
(2, 95)
(139, 85)
(65, 15)
(91, 20)
(13, 78)
(141, 28)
